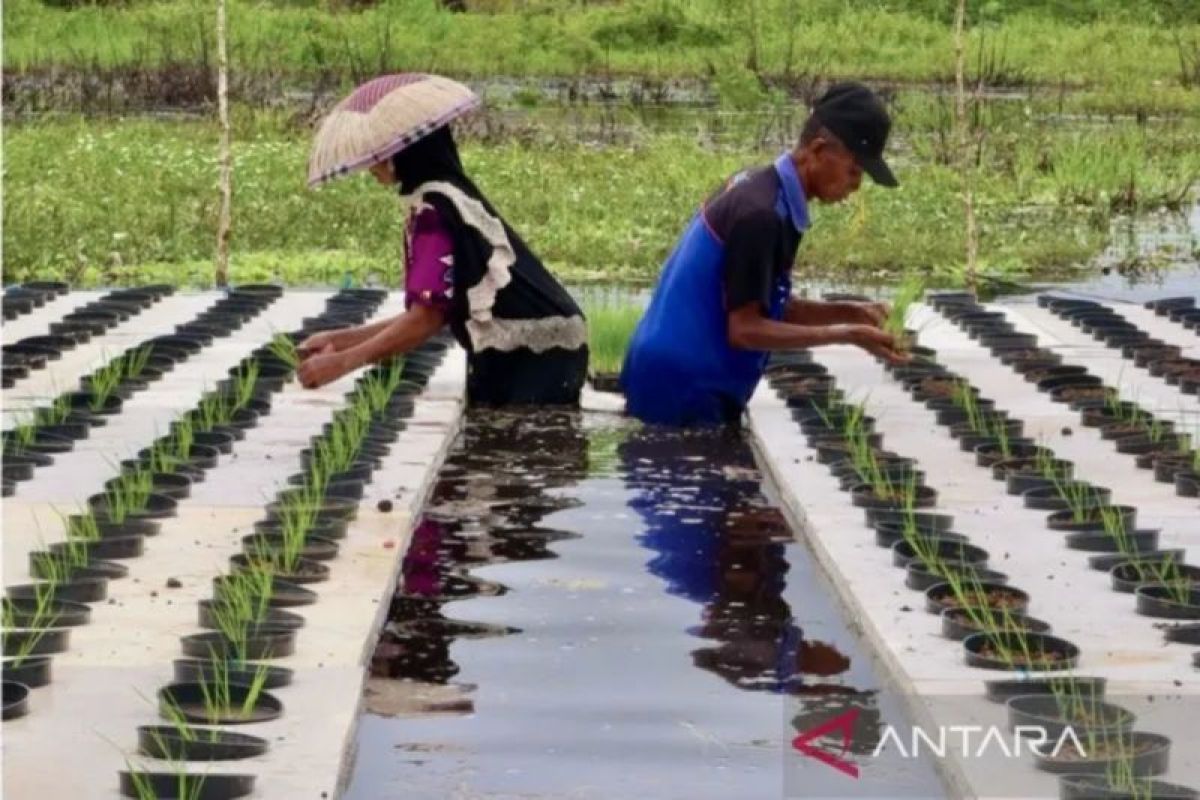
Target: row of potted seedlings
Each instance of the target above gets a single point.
(1182, 310)
(225, 678)
(1160, 359)
(112, 528)
(22, 299)
(147, 489)
(77, 327)
(1163, 584)
(976, 603)
(1153, 442)
(70, 417)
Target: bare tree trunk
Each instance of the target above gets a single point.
(966, 169)
(224, 220)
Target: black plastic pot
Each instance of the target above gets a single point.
(1160, 602)
(1099, 787)
(62, 613)
(1051, 499)
(31, 671)
(999, 342)
(1183, 633)
(196, 670)
(202, 457)
(1059, 377)
(1092, 520)
(921, 576)
(1164, 305)
(46, 443)
(189, 700)
(1040, 644)
(267, 545)
(114, 547)
(1145, 354)
(86, 401)
(129, 527)
(188, 345)
(275, 618)
(1142, 445)
(1046, 712)
(162, 741)
(78, 590)
(1137, 541)
(1036, 375)
(888, 535)
(328, 530)
(925, 521)
(166, 484)
(863, 496)
(1151, 756)
(16, 700)
(1127, 577)
(1002, 690)
(262, 642)
(1013, 427)
(40, 641)
(898, 474)
(1187, 483)
(1018, 482)
(210, 786)
(284, 594)
(1104, 562)
(904, 552)
(940, 596)
(957, 624)
(158, 506)
(330, 509)
(306, 570)
(991, 453)
(95, 568)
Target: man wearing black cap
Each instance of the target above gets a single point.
(724, 297)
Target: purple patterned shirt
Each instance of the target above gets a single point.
(429, 262)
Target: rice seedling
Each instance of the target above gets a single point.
(83, 527)
(1168, 574)
(183, 438)
(104, 381)
(1115, 528)
(21, 437)
(55, 414)
(1077, 495)
(188, 786)
(285, 350)
(244, 381)
(965, 398)
(610, 328)
(130, 494)
(135, 361)
(246, 594)
(997, 427)
(59, 567)
(212, 410)
(910, 290)
(217, 690)
(1044, 463)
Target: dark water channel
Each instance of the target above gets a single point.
(590, 609)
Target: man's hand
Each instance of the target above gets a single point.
(322, 368)
(877, 343)
(873, 314)
(322, 343)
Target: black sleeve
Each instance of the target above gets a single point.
(750, 254)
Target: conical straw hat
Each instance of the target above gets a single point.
(381, 118)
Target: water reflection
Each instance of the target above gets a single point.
(484, 509)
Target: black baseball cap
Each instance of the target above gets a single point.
(856, 116)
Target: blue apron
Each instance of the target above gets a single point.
(680, 368)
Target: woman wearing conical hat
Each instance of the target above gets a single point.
(525, 337)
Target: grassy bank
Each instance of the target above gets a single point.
(1105, 45)
(108, 201)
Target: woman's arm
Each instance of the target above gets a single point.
(341, 339)
(392, 337)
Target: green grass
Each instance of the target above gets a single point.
(135, 201)
(610, 327)
(1107, 43)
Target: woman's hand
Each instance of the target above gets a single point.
(322, 343)
(325, 367)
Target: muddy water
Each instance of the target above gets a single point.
(591, 609)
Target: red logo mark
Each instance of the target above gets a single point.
(843, 723)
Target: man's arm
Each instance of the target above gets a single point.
(814, 312)
(749, 329)
(399, 335)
